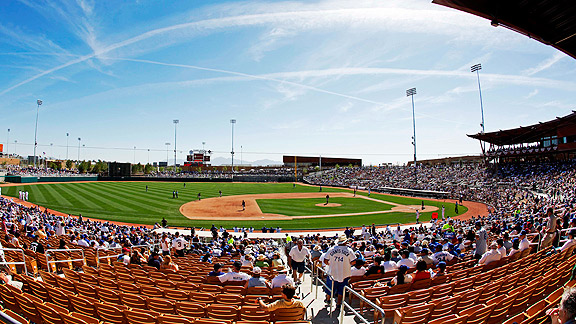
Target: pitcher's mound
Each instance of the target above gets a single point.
(329, 205)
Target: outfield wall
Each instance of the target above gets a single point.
(235, 178)
(21, 179)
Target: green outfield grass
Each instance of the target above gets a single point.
(129, 202)
(307, 206)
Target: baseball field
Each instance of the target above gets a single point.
(266, 204)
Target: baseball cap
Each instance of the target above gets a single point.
(441, 265)
(256, 270)
(425, 251)
(126, 250)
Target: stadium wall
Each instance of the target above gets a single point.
(20, 179)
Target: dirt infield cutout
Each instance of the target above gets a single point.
(230, 207)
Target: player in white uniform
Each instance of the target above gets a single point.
(178, 245)
(340, 259)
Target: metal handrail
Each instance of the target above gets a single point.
(356, 314)
(48, 262)
(15, 263)
(98, 257)
(149, 246)
(565, 230)
(5, 318)
(331, 289)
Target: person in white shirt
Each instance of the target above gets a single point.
(501, 248)
(365, 234)
(299, 254)
(83, 241)
(441, 255)
(165, 244)
(339, 258)
(388, 264)
(491, 256)
(358, 270)
(571, 240)
(125, 256)
(178, 245)
(524, 244)
(281, 279)
(406, 260)
(234, 275)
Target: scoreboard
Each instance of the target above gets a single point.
(198, 158)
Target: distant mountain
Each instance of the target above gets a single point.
(217, 161)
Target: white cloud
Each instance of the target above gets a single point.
(532, 94)
(546, 64)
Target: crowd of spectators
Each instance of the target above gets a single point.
(16, 170)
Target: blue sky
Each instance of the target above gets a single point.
(300, 77)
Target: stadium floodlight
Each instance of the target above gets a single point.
(79, 141)
(167, 145)
(232, 122)
(39, 103)
(67, 136)
(7, 141)
(175, 121)
(410, 93)
(476, 68)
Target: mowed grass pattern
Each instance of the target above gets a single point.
(129, 202)
(307, 206)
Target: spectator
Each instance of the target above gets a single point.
(524, 243)
(571, 240)
(406, 259)
(216, 272)
(388, 264)
(549, 231)
(339, 258)
(358, 270)
(491, 256)
(402, 277)
(299, 254)
(256, 280)
(125, 256)
(441, 255)
(168, 264)
(501, 248)
(421, 271)
(235, 274)
(287, 301)
(566, 311)
(277, 261)
(515, 247)
(425, 256)
(375, 267)
(481, 238)
(282, 279)
(440, 269)
(154, 260)
(262, 262)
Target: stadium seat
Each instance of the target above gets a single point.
(85, 289)
(450, 319)
(443, 306)
(419, 296)
(468, 299)
(140, 316)
(110, 313)
(133, 301)
(51, 314)
(202, 297)
(108, 295)
(161, 305)
(412, 314)
(222, 312)
(85, 305)
(27, 304)
(173, 319)
(477, 314)
(253, 313)
(16, 317)
(289, 314)
(190, 310)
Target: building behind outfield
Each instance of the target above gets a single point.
(320, 161)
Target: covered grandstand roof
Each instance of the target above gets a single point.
(552, 22)
(527, 134)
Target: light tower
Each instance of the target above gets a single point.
(476, 68)
(175, 121)
(410, 93)
(39, 103)
(232, 122)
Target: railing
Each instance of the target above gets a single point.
(98, 257)
(346, 305)
(563, 232)
(539, 240)
(356, 314)
(150, 247)
(48, 261)
(16, 263)
(5, 318)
